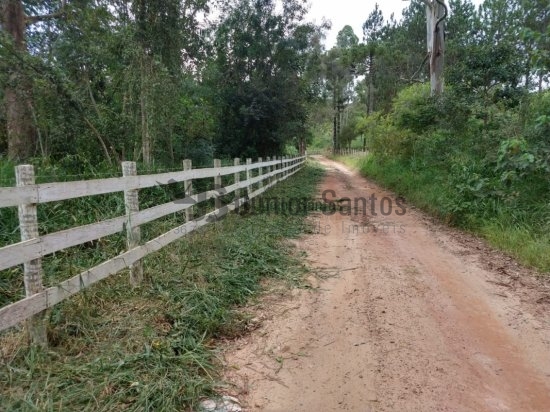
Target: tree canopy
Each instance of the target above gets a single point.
(160, 81)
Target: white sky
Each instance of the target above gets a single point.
(354, 13)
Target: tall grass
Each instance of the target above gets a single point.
(520, 227)
(154, 347)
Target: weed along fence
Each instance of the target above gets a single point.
(27, 195)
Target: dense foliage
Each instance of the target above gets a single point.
(154, 81)
(479, 154)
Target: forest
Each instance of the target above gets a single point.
(96, 82)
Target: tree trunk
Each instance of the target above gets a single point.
(370, 99)
(338, 124)
(18, 91)
(436, 45)
(145, 135)
(302, 146)
(334, 133)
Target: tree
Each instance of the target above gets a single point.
(339, 67)
(535, 15)
(260, 76)
(18, 100)
(165, 31)
(436, 13)
(346, 38)
(18, 89)
(485, 49)
(372, 31)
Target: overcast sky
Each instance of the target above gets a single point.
(354, 13)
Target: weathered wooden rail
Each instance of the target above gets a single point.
(27, 195)
(342, 152)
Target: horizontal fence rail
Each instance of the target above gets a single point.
(32, 248)
(342, 152)
(53, 192)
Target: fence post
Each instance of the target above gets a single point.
(133, 233)
(284, 166)
(28, 226)
(248, 186)
(218, 183)
(268, 180)
(188, 188)
(237, 178)
(290, 163)
(260, 173)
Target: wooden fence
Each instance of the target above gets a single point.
(27, 195)
(349, 152)
(330, 152)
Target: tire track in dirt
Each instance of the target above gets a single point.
(411, 317)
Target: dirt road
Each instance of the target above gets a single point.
(410, 316)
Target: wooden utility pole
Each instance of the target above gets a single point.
(436, 13)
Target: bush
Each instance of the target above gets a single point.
(414, 109)
(383, 137)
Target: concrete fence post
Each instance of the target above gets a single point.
(237, 178)
(218, 183)
(28, 226)
(188, 188)
(248, 185)
(133, 232)
(260, 173)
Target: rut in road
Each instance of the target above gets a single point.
(412, 316)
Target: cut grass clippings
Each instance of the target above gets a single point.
(153, 348)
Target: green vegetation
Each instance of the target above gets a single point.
(154, 81)
(476, 155)
(153, 348)
(491, 178)
(85, 84)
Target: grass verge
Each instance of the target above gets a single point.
(154, 347)
(520, 228)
